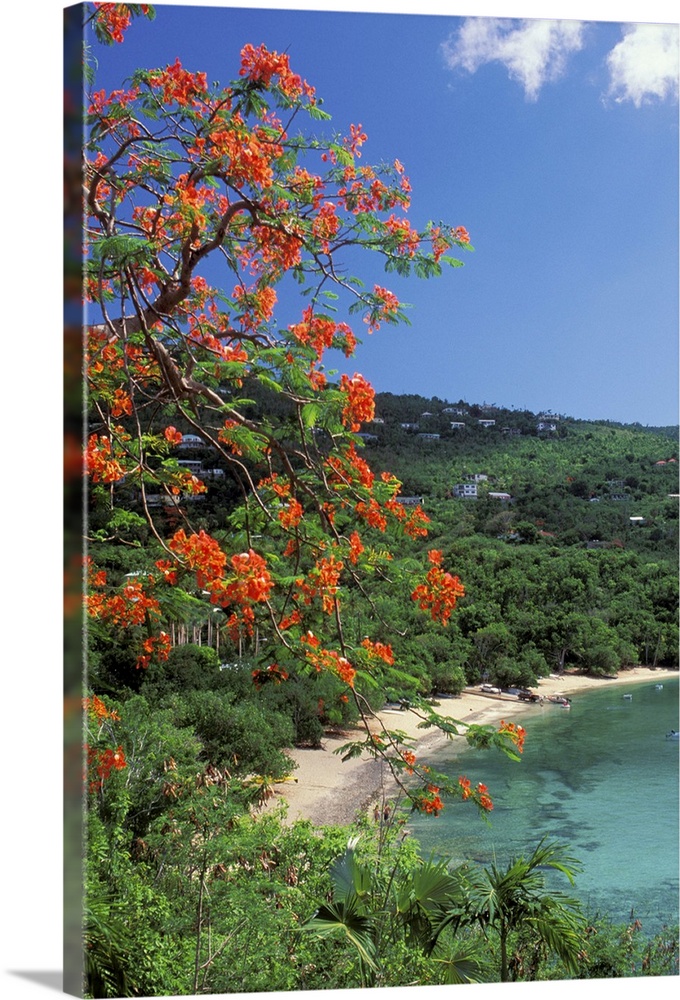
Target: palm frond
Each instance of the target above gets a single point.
(345, 918)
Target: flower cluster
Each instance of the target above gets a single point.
(168, 570)
(95, 577)
(98, 710)
(362, 191)
(378, 651)
(201, 552)
(273, 250)
(372, 513)
(172, 435)
(439, 243)
(414, 522)
(514, 732)
(328, 659)
(428, 802)
(407, 239)
(113, 19)
(262, 66)
(178, 85)
(356, 547)
(415, 525)
(360, 405)
(228, 434)
(99, 460)
(121, 404)
(386, 307)
(320, 333)
(326, 224)
(250, 583)
(258, 308)
(133, 606)
(249, 154)
(440, 592)
(478, 794)
(155, 647)
(349, 467)
(322, 582)
(102, 763)
(187, 482)
(355, 139)
(291, 515)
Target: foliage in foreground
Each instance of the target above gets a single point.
(212, 899)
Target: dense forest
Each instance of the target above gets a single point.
(577, 568)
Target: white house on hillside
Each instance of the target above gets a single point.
(465, 490)
(191, 441)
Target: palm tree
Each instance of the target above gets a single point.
(370, 907)
(516, 899)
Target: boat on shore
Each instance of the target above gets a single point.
(559, 699)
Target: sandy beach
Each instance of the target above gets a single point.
(326, 790)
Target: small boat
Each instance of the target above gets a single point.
(628, 697)
(673, 735)
(559, 699)
(659, 687)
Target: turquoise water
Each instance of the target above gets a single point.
(600, 777)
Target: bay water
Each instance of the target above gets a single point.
(602, 778)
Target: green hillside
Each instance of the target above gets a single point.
(575, 567)
(580, 482)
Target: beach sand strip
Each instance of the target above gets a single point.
(327, 790)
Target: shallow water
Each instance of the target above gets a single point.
(601, 777)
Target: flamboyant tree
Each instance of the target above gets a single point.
(211, 211)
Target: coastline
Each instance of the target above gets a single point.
(327, 791)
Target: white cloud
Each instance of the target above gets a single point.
(645, 65)
(534, 51)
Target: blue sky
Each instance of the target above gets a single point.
(555, 142)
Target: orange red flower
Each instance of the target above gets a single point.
(262, 66)
(172, 435)
(99, 460)
(516, 733)
(379, 650)
(440, 592)
(360, 405)
(429, 802)
(329, 659)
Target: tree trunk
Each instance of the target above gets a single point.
(199, 922)
(505, 976)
